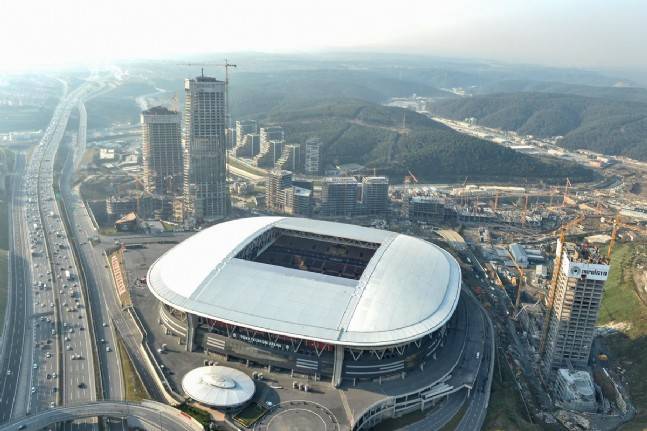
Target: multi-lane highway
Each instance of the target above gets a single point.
(19, 276)
(153, 414)
(49, 352)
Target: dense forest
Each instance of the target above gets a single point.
(354, 131)
(608, 125)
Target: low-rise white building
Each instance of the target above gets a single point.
(575, 390)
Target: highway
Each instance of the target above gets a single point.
(72, 376)
(109, 362)
(155, 415)
(48, 357)
(17, 323)
(479, 399)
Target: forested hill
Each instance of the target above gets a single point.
(605, 125)
(355, 131)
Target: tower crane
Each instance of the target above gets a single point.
(568, 185)
(617, 223)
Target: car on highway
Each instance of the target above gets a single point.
(81, 385)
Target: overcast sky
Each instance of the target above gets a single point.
(581, 33)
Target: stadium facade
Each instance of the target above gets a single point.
(333, 300)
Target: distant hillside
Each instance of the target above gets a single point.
(253, 94)
(361, 132)
(626, 94)
(607, 126)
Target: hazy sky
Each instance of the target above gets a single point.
(587, 33)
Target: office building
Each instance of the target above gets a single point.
(161, 150)
(290, 158)
(298, 201)
(245, 127)
(205, 178)
(248, 146)
(572, 306)
(339, 196)
(273, 133)
(375, 195)
(425, 209)
(312, 157)
(277, 182)
(271, 151)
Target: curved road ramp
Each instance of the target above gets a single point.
(155, 415)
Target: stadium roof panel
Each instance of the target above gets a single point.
(408, 289)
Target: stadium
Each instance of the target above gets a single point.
(327, 299)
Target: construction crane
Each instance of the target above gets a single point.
(521, 284)
(568, 185)
(550, 300)
(525, 211)
(175, 106)
(226, 65)
(408, 179)
(617, 223)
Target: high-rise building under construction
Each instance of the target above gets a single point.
(206, 195)
(162, 150)
(573, 303)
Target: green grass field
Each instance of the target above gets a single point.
(135, 389)
(250, 415)
(200, 415)
(624, 306)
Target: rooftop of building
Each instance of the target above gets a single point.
(218, 386)
(396, 288)
(375, 180)
(428, 199)
(585, 252)
(279, 172)
(128, 218)
(159, 110)
(340, 180)
(300, 191)
(579, 383)
(203, 78)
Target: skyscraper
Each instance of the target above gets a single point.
(572, 306)
(312, 156)
(162, 150)
(339, 196)
(375, 195)
(277, 181)
(206, 193)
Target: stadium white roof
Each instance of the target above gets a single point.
(218, 386)
(409, 288)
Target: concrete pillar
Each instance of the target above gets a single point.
(338, 366)
(191, 325)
